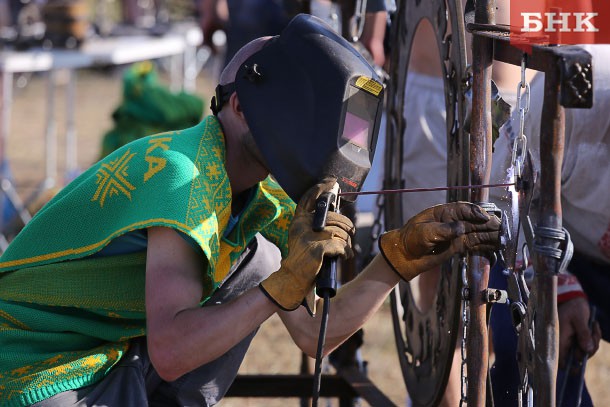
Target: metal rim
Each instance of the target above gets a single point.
(426, 340)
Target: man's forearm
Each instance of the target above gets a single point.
(353, 305)
(199, 335)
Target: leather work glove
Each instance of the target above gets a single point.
(434, 235)
(296, 277)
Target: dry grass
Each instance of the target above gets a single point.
(272, 351)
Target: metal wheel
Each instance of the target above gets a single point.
(426, 339)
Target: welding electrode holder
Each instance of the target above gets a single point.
(326, 281)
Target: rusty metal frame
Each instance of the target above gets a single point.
(346, 386)
(568, 83)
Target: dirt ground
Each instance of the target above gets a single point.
(98, 93)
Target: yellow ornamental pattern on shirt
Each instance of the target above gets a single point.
(210, 199)
(156, 163)
(195, 198)
(112, 179)
(46, 373)
(14, 322)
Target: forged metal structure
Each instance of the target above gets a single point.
(426, 340)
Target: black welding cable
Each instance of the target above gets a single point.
(317, 375)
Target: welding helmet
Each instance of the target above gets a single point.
(313, 105)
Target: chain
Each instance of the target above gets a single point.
(519, 154)
(465, 320)
(357, 22)
(523, 104)
(520, 397)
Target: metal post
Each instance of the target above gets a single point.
(6, 87)
(545, 280)
(176, 72)
(71, 141)
(477, 347)
(9, 194)
(50, 139)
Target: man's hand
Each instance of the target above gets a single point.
(436, 234)
(295, 279)
(574, 329)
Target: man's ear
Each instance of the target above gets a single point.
(236, 106)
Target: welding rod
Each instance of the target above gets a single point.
(405, 190)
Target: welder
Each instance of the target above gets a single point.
(144, 280)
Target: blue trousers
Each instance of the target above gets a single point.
(595, 280)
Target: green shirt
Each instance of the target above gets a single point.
(66, 319)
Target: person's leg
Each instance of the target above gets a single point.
(594, 278)
(208, 384)
(570, 393)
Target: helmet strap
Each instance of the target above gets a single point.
(222, 95)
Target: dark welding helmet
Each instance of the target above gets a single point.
(313, 105)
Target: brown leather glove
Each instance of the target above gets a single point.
(295, 279)
(434, 235)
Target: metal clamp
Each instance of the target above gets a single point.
(565, 250)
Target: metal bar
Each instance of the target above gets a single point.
(409, 190)
(8, 194)
(305, 369)
(71, 140)
(50, 137)
(350, 384)
(543, 302)
(365, 389)
(176, 72)
(576, 76)
(477, 346)
(6, 98)
(6, 87)
(262, 385)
